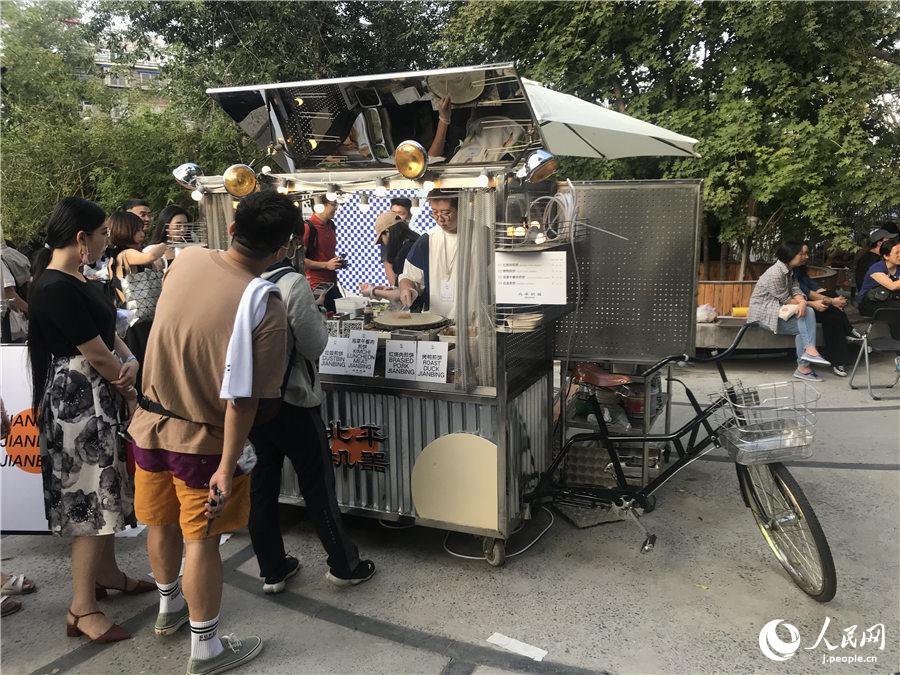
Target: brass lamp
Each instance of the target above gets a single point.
(411, 160)
(240, 180)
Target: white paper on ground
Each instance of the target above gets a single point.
(131, 531)
(517, 647)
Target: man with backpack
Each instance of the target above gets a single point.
(321, 261)
(298, 432)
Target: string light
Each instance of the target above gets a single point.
(484, 179)
(197, 195)
(381, 189)
(332, 193)
(363, 201)
(266, 170)
(428, 185)
(416, 207)
(318, 205)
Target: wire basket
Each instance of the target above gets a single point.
(768, 423)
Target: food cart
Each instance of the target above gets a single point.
(448, 421)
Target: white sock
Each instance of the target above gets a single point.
(170, 597)
(205, 643)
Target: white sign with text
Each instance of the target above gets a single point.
(334, 359)
(363, 345)
(530, 278)
(431, 361)
(400, 359)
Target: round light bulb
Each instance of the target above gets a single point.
(520, 231)
(297, 204)
(266, 169)
(428, 185)
(319, 207)
(197, 196)
(363, 202)
(483, 180)
(331, 196)
(282, 189)
(540, 239)
(381, 189)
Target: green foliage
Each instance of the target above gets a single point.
(791, 102)
(795, 104)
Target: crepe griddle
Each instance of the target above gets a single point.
(413, 320)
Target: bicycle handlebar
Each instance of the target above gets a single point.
(717, 356)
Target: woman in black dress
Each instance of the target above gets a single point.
(83, 394)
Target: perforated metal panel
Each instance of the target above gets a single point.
(638, 296)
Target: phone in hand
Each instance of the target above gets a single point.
(321, 289)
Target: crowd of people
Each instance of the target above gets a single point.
(787, 301)
(208, 404)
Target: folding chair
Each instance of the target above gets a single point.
(882, 344)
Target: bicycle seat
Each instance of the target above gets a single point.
(593, 375)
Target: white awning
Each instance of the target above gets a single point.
(573, 127)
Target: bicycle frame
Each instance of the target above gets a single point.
(591, 495)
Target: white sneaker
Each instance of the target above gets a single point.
(840, 371)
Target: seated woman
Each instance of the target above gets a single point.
(829, 311)
(393, 233)
(883, 279)
(126, 234)
(774, 293)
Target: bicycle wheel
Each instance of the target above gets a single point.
(790, 527)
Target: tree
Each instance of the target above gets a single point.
(791, 101)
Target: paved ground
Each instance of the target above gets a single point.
(696, 604)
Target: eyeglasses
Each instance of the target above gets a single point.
(446, 213)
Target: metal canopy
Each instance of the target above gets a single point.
(353, 124)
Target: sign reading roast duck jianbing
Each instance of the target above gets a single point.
(358, 122)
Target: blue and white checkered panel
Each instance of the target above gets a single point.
(356, 234)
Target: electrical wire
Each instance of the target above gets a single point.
(508, 555)
(389, 525)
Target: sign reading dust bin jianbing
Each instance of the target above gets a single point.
(21, 485)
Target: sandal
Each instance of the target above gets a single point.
(114, 633)
(140, 586)
(18, 584)
(9, 606)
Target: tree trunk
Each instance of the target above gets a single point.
(704, 233)
(752, 225)
(745, 257)
(723, 260)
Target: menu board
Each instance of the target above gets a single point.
(529, 278)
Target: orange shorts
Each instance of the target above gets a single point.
(162, 499)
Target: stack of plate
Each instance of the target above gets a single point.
(524, 322)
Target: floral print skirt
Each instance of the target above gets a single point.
(87, 489)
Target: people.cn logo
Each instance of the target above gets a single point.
(773, 647)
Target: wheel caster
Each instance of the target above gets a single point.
(648, 544)
(494, 551)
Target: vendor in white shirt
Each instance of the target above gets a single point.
(430, 268)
